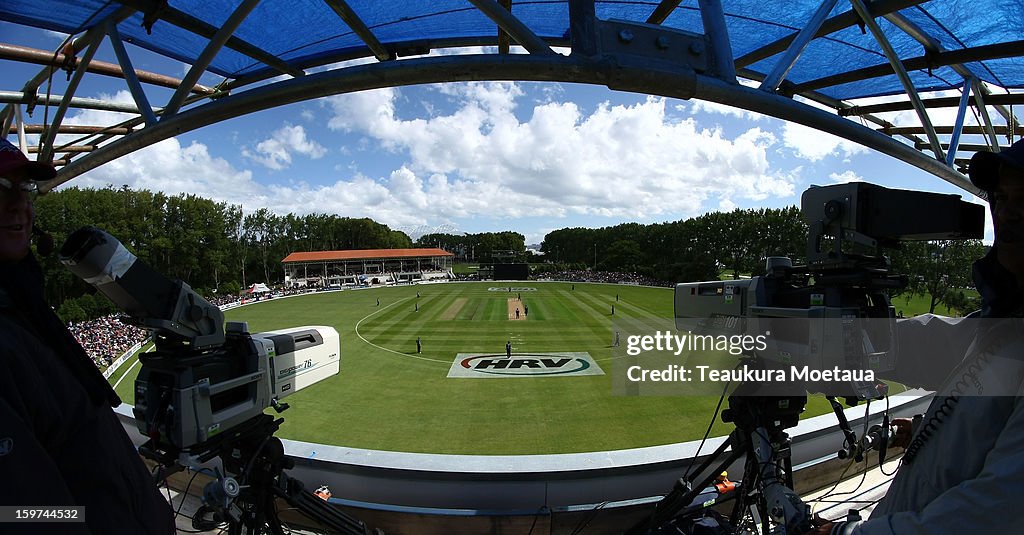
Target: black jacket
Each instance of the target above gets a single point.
(67, 447)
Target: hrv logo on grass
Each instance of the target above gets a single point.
(476, 365)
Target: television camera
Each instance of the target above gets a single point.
(201, 395)
(831, 313)
(834, 311)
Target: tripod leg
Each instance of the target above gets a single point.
(273, 521)
(316, 508)
(681, 496)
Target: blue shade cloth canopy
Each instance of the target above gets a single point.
(280, 51)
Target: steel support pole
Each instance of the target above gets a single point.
(78, 44)
(356, 24)
(713, 17)
(961, 115)
(901, 73)
(572, 68)
(514, 27)
(786, 62)
(979, 102)
(583, 28)
(138, 94)
(663, 10)
(791, 110)
(933, 45)
(7, 119)
(22, 141)
(17, 97)
(206, 57)
(46, 143)
(832, 25)
(45, 57)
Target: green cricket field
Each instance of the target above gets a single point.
(388, 396)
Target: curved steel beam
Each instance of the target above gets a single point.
(620, 73)
(788, 110)
(626, 74)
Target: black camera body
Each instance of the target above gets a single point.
(201, 380)
(834, 311)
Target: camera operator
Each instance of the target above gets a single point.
(964, 466)
(60, 442)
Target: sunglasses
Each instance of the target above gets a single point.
(7, 187)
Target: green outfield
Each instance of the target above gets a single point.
(390, 397)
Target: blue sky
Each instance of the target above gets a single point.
(479, 157)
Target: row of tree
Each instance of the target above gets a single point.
(213, 246)
(482, 247)
(687, 250)
(738, 242)
(941, 271)
(216, 247)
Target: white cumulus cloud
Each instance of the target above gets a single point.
(815, 145)
(276, 151)
(494, 152)
(489, 157)
(845, 176)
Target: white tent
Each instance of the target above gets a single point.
(258, 288)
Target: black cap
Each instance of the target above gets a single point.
(12, 159)
(984, 167)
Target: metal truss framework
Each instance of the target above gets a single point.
(639, 56)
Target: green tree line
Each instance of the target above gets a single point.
(731, 243)
(476, 247)
(687, 250)
(214, 246)
(218, 248)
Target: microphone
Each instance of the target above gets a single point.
(44, 241)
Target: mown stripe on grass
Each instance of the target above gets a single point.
(453, 309)
(631, 310)
(597, 322)
(496, 309)
(470, 311)
(388, 350)
(601, 304)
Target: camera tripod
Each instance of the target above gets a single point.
(246, 501)
(764, 500)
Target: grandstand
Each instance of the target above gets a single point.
(366, 266)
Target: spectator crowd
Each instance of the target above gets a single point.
(611, 277)
(107, 337)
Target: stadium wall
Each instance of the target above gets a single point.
(393, 487)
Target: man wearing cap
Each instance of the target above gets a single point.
(964, 465)
(60, 442)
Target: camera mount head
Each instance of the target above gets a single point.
(171, 308)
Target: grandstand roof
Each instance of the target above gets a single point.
(915, 57)
(364, 254)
